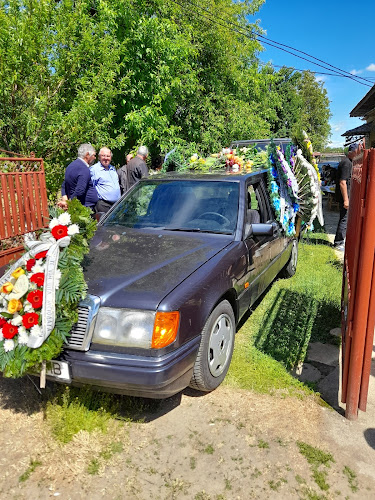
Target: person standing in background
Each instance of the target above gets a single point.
(137, 168)
(122, 173)
(105, 180)
(77, 182)
(344, 174)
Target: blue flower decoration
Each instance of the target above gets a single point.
(274, 173)
(274, 187)
(276, 204)
(295, 207)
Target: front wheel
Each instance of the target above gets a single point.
(290, 268)
(215, 350)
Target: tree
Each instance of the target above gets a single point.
(120, 73)
(304, 104)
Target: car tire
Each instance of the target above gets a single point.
(215, 350)
(290, 268)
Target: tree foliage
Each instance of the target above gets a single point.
(120, 73)
(303, 105)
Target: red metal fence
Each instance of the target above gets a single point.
(23, 202)
(358, 295)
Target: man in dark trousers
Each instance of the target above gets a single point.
(77, 182)
(105, 180)
(344, 173)
(137, 168)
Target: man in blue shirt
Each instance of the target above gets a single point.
(77, 182)
(105, 180)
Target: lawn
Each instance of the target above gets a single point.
(292, 313)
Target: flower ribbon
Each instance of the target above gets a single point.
(48, 313)
(315, 188)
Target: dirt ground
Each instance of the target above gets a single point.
(228, 444)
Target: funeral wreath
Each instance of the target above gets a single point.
(39, 293)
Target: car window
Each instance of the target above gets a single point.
(256, 203)
(192, 205)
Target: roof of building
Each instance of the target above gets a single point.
(365, 105)
(363, 129)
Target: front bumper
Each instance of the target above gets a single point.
(143, 376)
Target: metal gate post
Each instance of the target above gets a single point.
(362, 319)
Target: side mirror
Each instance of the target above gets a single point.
(98, 216)
(263, 229)
(259, 230)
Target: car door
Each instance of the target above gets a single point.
(279, 241)
(263, 250)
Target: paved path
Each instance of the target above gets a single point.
(356, 439)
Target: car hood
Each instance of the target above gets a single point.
(135, 268)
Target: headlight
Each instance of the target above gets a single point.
(133, 328)
(124, 327)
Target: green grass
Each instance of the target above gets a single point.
(209, 449)
(93, 467)
(72, 411)
(33, 465)
(290, 315)
(263, 444)
(112, 448)
(352, 478)
(317, 458)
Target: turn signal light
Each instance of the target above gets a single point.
(165, 328)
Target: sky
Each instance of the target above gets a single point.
(339, 32)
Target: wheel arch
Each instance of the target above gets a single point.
(231, 296)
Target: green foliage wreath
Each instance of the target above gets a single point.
(72, 287)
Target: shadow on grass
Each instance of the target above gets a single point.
(24, 396)
(316, 241)
(292, 321)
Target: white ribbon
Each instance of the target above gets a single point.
(315, 189)
(48, 313)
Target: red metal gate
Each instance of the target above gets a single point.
(358, 294)
(23, 202)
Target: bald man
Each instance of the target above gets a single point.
(105, 180)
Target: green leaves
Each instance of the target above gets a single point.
(151, 72)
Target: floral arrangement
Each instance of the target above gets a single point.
(283, 189)
(233, 161)
(39, 294)
(310, 193)
(301, 139)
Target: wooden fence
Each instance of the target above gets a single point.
(23, 202)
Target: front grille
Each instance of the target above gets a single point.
(78, 332)
(81, 332)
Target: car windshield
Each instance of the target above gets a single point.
(179, 205)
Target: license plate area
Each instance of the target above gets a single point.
(58, 370)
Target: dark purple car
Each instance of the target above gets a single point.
(173, 267)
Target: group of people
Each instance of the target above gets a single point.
(99, 185)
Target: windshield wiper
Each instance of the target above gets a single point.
(195, 230)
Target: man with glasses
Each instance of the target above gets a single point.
(77, 182)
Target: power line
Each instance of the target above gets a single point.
(311, 71)
(279, 46)
(243, 31)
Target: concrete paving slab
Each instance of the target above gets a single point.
(336, 332)
(308, 373)
(329, 388)
(326, 354)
